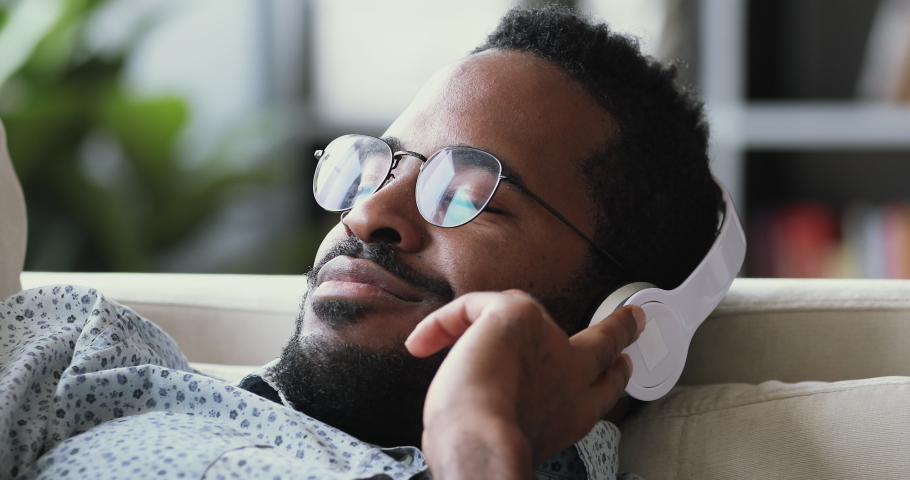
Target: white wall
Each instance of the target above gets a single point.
(373, 57)
(207, 51)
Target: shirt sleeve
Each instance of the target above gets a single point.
(49, 332)
(599, 450)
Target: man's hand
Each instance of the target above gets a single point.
(515, 390)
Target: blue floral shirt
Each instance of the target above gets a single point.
(89, 389)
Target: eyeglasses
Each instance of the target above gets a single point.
(454, 185)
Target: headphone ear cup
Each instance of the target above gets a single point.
(617, 299)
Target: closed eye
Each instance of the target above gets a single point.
(494, 210)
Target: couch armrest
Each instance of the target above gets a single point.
(13, 231)
(803, 330)
(221, 319)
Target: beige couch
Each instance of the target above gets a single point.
(732, 419)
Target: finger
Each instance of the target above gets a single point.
(611, 383)
(603, 343)
(446, 325)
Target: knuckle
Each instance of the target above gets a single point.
(631, 323)
(475, 295)
(516, 292)
(521, 302)
(517, 312)
(627, 318)
(624, 326)
(609, 342)
(528, 306)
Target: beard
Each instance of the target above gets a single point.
(374, 395)
(378, 395)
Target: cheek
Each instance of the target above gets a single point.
(335, 235)
(487, 264)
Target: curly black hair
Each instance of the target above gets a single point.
(656, 200)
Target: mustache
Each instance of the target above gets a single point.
(383, 255)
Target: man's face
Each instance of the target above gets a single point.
(541, 125)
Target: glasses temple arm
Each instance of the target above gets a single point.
(573, 227)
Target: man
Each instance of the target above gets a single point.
(551, 166)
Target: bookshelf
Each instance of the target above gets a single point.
(817, 125)
(811, 148)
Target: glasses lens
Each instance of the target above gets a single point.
(455, 185)
(351, 168)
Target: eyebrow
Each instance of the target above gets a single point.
(515, 181)
(393, 142)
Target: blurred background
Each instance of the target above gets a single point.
(177, 135)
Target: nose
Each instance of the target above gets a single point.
(390, 214)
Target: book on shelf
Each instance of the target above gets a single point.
(885, 71)
(815, 240)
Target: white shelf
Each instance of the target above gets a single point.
(738, 126)
(813, 126)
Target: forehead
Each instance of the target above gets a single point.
(541, 123)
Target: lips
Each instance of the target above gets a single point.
(357, 271)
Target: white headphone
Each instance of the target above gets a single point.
(659, 355)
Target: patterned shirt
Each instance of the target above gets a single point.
(89, 389)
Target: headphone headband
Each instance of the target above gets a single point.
(695, 298)
(659, 355)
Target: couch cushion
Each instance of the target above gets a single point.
(12, 224)
(842, 430)
(222, 319)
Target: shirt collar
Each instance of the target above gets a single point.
(262, 382)
(597, 450)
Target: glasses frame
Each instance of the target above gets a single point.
(396, 157)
